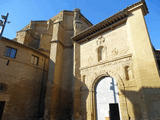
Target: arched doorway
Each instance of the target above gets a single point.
(107, 100)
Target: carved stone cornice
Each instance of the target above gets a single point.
(141, 4)
(109, 61)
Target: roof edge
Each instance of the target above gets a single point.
(141, 4)
(111, 20)
(17, 43)
(69, 11)
(105, 23)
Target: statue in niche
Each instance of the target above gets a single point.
(128, 73)
(77, 23)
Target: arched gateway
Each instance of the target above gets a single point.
(107, 100)
(115, 47)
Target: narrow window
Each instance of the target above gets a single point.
(2, 87)
(100, 53)
(10, 52)
(34, 60)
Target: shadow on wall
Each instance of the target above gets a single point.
(59, 94)
(84, 91)
(48, 92)
(145, 103)
(26, 97)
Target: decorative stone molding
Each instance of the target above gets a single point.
(77, 23)
(112, 61)
(100, 40)
(58, 18)
(115, 52)
(128, 71)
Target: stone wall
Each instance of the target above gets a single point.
(61, 78)
(116, 55)
(24, 82)
(36, 35)
(62, 85)
(123, 52)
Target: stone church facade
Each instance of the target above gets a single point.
(65, 68)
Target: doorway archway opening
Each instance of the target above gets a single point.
(106, 99)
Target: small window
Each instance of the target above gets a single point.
(3, 87)
(34, 60)
(10, 52)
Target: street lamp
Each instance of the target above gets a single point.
(3, 23)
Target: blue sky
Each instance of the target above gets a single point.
(21, 12)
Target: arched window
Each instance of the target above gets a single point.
(100, 53)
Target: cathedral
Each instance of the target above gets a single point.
(66, 68)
